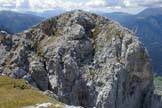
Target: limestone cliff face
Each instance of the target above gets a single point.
(85, 59)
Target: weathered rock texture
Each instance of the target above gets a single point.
(85, 59)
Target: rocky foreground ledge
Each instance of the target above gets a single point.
(84, 60)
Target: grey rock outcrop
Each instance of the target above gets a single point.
(39, 75)
(18, 73)
(86, 60)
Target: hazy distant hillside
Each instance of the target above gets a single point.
(48, 13)
(151, 12)
(148, 26)
(13, 22)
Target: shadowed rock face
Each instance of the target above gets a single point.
(85, 59)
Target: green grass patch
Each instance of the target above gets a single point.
(16, 93)
(158, 83)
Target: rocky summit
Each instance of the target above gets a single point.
(83, 60)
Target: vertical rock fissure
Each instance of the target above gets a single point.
(117, 88)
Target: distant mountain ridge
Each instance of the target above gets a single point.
(148, 26)
(151, 12)
(14, 22)
(48, 13)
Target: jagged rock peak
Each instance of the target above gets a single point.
(85, 19)
(85, 60)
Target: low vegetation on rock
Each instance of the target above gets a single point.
(158, 84)
(17, 93)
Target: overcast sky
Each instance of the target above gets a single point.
(130, 6)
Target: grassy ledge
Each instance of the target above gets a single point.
(16, 93)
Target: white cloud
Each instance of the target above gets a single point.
(46, 4)
(95, 5)
(142, 3)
